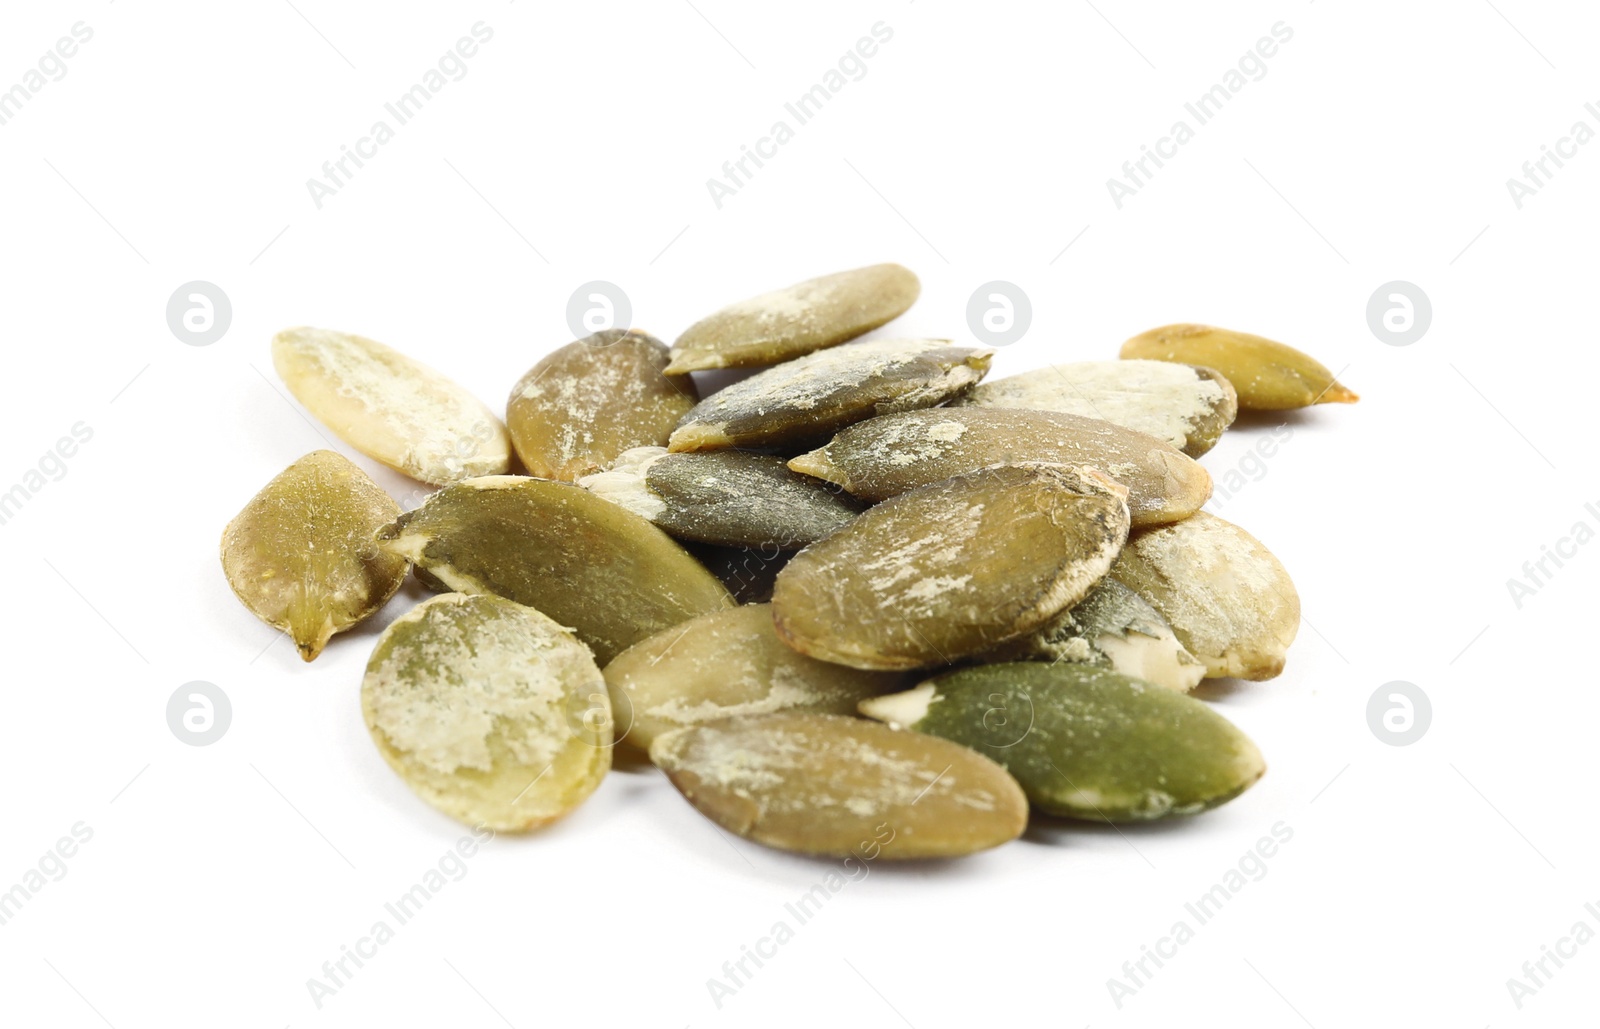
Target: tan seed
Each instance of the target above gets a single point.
(1268, 376)
(301, 555)
(837, 787)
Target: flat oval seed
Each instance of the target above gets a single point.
(1229, 601)
(723, 665)
(1184, 406)
(300, 555)
(788, 323)
(834, 786)
(727, 497)
(1085, 742)
(812, 397)
(951, 569)
(886, 456)
(580, 407)
(1111, 628)
(1269, 376)
(606, 573)
(391, 408)
(489, 711)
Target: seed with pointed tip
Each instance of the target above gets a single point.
(885, 456)
(953, 568)
(490, 711)
(1085, 742)
(809, 398)
(300, 555)
(1184, 406)
(391, 408)
(1228, 599)
(790, 322)
(840, 787)
(580, 407)
(1268, 376)
(606, 573)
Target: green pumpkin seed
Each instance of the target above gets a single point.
(952, 569)
(1185, 407)
(391, 408)
(1229, 601)
(490, 711)
(606, 573)
(728, 664)
(837, 787)
(727, 497)
(886, 456)
(1111, 628)
(1269, 376)
(300, 555)
(789, 323)
(1085, 742)
(812, 397)
(579, 408)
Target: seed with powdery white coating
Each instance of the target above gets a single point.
(790, 322)
(1085, 742)
(809, 398)
(952, 569)
(391, 408)
(886, 456)
(833, 786)
(489, 710)
(1269, 376)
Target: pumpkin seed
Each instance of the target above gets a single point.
(391, 408)
(728, 497)
(953, 568)
(490, 711)
(300, 555)
(1184, 406)
(788, 323)
(1111, 628)
(727, 664)
(834, 786)
(1085, 742)
(1229, 601)
(608, 574)
(1269, 376)
(811, 397)
(885, 456)
(579, 408)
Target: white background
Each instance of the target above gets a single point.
(977, 147)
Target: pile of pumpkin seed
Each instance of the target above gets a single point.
(859, 594)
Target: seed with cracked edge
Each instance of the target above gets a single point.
(728, 664)
(788, 323)
(727, 497)
(391, 408)
(886, 456)
(953, 568)
(581, 406)
(1085, 742)
(1184, 406)
(606, 573)
(1228, 599)
(1111, 628)
(1268, 376)
(489, 710)
(811, 397)
(833, 786)
(300, 555)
